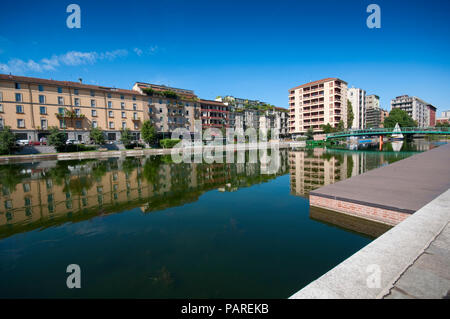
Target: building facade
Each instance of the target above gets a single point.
(317, 103)
(372, 101)
(31, 106)
(422, 112)
(214, 114)
(358, 99)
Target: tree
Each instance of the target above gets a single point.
(443, 124)
(341, 126)
(97, 135)
(57, 138)
(125, 136)
(7, 140)
(399, 116)
(350, 115)
(148, 132)
(327, 129)
(310, 134)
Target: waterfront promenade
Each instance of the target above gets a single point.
(411, 260)
(392, 193)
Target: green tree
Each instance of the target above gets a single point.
(310, 134)
(327, 129)
(97, 135)
(7, 140)
(125, 136)
(350, 115)
(57, 138)
(399, 116)
(148, 133)
(341, 126)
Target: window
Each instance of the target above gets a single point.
(43, 124)
(123, 115)
(122, 97)
(94, 124)
(40, 88)
(26, 187)
(41, 99)
(61, 110)
(1, 108)
(1, 96)
(109, 95)
(19, 108)
(77, 101)
(111, 114)
(135, 116)
(150, 110)
(122, 105)
(61, 100)
(109, 104)
(93, 103)
(124, 125)
(42, 110)
(78, 124)
(1, 123)
(111, 124)
(94, 112)
(75, 91)
(160, 110)
(150, 100)
(77, 112)
(134, 106)
(187, 112)
(160, 101)
(134, 97)
(17, 86)
(18, 97)
(59, 89)
(62, 124)
(92, 93)
(21, 123)
(136, 126)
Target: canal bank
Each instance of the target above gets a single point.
(138, 152)
(392, 193)
(412, 260)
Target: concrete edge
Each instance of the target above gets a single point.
(388, 256)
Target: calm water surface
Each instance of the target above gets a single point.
(149, 228)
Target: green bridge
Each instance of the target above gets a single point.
(389, 131)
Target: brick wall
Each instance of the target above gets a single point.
(385, 216)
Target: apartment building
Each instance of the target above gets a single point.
(317, 103)
(169, 108)
(422, 112)
(30, 106)
(375, 117)
(372, 101)
(214, 114)
(445, 117)
(358, 99)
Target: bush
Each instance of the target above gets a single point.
(97, 136)
(75, 148)
(57, 138)
(133, 145)
(7, 140)
(169, 143)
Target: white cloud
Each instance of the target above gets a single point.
(138, 51)
(71, 58)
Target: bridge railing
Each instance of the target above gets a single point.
(373, 131)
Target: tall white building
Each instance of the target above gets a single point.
(358, 99)
(420, 111)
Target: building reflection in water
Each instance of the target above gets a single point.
(53, 192)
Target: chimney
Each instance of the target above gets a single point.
(81, 80)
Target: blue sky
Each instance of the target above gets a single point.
(253, 49)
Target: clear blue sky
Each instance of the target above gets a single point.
(253, 49)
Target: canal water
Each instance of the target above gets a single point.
(148, 228)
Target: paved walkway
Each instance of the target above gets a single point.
(429, 275)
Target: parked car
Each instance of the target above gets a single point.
(23, 142)
(71, 142)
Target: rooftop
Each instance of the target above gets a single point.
(318, 82)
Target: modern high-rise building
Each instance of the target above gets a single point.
(358, 99)
(317, 103)
(422, 112)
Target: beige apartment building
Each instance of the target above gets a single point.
(30, 106)
(167, 112)
(317, 103)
